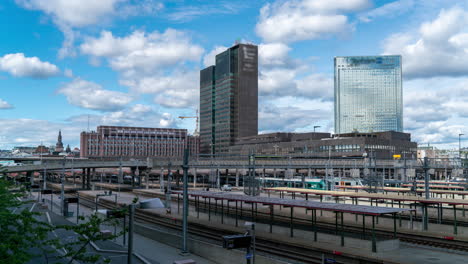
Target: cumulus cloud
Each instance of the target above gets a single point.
(289, 118)
(179, 89)
(90, 95)
(388, 10)
(289, 21)
(438, 48)
(433, 105)
(69, 15)
(139, 115)
(141, 51)
(5, 105)
(31, 132)
(210, 58)
(20, 66)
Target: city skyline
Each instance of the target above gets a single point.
(129, 62)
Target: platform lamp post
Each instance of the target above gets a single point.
(316, 127)
(459, 145)
(62, 189)
(185, 168)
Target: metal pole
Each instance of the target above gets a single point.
(459, 145)
(78, 208)
(62, 191)
(131, 210)
(253, 242)
(185, 209)
(426, 177)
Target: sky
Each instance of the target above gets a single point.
(77, 64)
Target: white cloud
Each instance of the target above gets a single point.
(138, 115)
(31, 132)
(277, 82)
(20, 66)
(438, 48)
(188, 13)
(69, 15)
(76, 13)
(90, 95)
(388, 10)
(180, 89)
(434, 109)
(289, 21)
(292, 118)
(5, 105)
(143, 52)
(210, 58)
(274, 54)
(68, 73)
(316, 86)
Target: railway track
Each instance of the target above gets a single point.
(278, 249)
(353, 230)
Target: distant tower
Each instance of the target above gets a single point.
(68, 150)
(229, 98)
(368, 94)
(59, 145)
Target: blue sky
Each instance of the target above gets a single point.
(136, 63)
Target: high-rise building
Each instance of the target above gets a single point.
(207, 106)
(229, 98)
(368, 94)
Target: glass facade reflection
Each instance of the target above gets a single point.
(368, 94)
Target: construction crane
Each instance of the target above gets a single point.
(195, 133)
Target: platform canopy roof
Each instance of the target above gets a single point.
(378, 196)
(335, 207)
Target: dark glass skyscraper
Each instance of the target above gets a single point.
(229, 98)
(368, 94)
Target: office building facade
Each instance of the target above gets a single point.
(381, 145)
(368, 94)
(143, 142)
(229, 98)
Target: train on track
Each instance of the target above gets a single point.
(308, 183)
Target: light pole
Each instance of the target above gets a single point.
(316, 127)
(185, 167)
(459, 144)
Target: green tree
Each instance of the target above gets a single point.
(21, 231)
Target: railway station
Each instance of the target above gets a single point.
(297, 218)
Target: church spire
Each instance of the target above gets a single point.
(59, 140)
(59, 145)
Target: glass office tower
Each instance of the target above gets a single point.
(229, 98)
(368, 94)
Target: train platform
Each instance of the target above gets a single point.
(405, 253)
(153, 251)
(433, 207)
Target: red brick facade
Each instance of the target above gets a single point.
(117, 141)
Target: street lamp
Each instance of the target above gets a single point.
(459, 144)
(316, 127)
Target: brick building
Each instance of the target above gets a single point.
(119, 141)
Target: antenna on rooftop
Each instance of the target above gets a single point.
(88, 124)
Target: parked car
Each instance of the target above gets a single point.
(226, 188)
